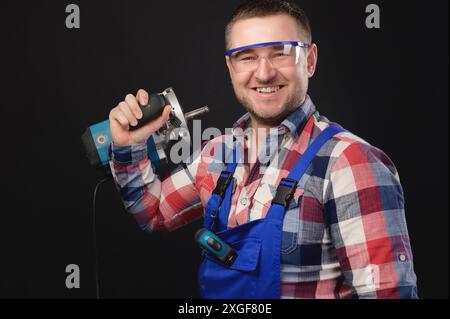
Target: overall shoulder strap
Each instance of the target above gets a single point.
(222, 187)
(287, 186)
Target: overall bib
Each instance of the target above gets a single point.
(255, 274)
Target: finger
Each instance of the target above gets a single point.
(126, 111)
(133, 103)
(118, 116)
(156, 124)
(142, 97)
(165, 115)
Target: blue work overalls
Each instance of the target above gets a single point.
(256, 271)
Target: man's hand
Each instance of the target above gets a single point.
(126, 114)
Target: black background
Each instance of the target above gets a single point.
(389, 86)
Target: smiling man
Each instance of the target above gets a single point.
(320, 215)
(268, 69)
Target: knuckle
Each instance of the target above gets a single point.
(123, 106)
(114, 112)
(133, 105)
(123, 120)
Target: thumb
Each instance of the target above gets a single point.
(155, 125)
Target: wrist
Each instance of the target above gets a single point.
(129, 154)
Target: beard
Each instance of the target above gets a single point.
(292, 103)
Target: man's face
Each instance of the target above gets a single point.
(269, 109)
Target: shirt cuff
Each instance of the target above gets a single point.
(130, 154)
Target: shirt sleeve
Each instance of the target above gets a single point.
(155, 205)
(364, 205)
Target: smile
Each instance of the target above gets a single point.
(268, 90)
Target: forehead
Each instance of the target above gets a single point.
(274, 28)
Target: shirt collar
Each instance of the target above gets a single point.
(294, 123)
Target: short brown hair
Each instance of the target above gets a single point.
(264, 8)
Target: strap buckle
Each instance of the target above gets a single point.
(223, 182)
(285, 192)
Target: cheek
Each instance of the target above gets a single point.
(295, 76)
(240, 79)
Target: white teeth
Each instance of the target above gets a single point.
(268, 90)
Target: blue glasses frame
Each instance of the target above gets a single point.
(266, 44)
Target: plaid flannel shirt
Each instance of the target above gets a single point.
(344, 232)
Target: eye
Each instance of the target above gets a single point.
(246, 58)
(280, 54)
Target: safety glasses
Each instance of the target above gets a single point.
(279, 54)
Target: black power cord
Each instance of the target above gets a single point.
(94, 219)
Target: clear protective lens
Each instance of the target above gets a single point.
(279, 56)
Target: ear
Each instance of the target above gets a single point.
(311, 60)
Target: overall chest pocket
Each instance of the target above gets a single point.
(239, 280)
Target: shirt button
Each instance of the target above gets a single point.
(244, 201)
(402, 257)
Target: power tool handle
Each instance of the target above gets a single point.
(151, 111)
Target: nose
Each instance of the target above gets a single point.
(265, 71)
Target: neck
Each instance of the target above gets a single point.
(257, 126)
(255, 144)
(267, 124)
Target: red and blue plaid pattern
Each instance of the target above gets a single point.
(344, 232)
